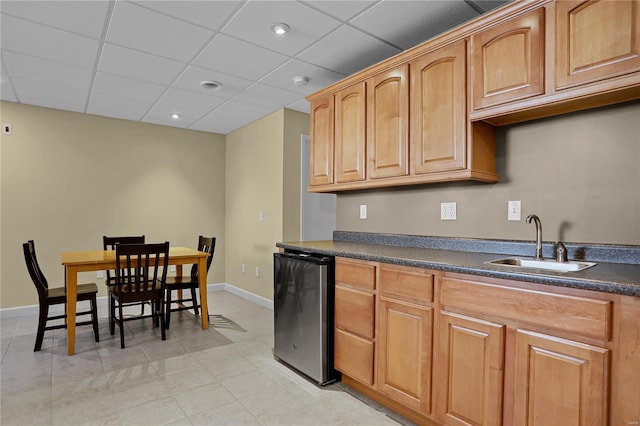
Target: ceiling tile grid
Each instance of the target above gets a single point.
(144, 60)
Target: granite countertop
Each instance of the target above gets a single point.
(463, 256)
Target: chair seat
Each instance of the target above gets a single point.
(85, 292)
(180, 282)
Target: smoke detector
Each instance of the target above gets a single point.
(300, 80)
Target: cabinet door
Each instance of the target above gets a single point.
(350, 134)
(507, 61)
(355, 311)
(559, 382)
(321, 150)
(438, 110)
(404, 354)
(472, 357)
(596, 40)
(387, 123)
(354, 356)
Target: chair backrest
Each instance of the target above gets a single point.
(206, 244)
(109, 243)
(35, 272)
(142, 267)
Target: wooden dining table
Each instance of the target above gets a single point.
(100, 260)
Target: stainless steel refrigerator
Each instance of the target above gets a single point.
(303, 308)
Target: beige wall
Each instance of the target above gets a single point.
(580, 173)
(67, 179)
(295, 124)
(254, 159)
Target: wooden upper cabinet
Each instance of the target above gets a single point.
(350, 134)
(321, 147)
(596, 40)
(387, 126)
(559, 382)
(438, 110)
(507, 60)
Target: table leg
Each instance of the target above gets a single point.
(71, 275)
(179, 274)
(202, 283)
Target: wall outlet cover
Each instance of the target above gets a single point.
(448, 211)
(514, 209)
(363, 211)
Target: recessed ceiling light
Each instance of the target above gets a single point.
(300, 80)
(280, 28)
(211, 85)
(175, 115)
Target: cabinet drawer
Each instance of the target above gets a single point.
(355, 311)
(414, 284)
(354, 356)
(580, 315)
(356, 273)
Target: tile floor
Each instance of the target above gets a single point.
(225, 375)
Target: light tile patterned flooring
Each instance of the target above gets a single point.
(225, 375)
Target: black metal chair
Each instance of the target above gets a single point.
(141, 273)
(56, 296)
(206, 244)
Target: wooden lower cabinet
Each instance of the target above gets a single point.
(559, 382)
(404, 348)
(472, 367)
(354, 356)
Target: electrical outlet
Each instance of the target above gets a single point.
(100, 274)
(363, 211)
(257, 272)
(513, 210)
(172, 268)
(447, 211)
(244, 268)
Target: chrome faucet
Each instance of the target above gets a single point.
(536, 219)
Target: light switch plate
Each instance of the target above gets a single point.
(514, 210)
(363, 211)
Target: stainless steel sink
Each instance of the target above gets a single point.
(545, 264)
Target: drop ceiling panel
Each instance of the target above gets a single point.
(117, 106)
(343, 10)
(161, 35)
(302, 105)
(6, 91)
(415, 27)
(240, 58)
(38, 40)
(81, 17)
(230, 116)
(30, 68)
(253, 23)
(190, 106)
(357, 51)
(207, 14)
(142, 66)
(51, 95)
(319, 78)
(127, 88)
(191, 78)
(267, 96)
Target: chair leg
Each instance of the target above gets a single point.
(94, 318)
(42, 323)
(194, 300)
(121, 324)
(168, 310)
(112, 314)
(163, 327)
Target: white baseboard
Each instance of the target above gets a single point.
(24, 311)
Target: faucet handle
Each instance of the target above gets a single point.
(561, 252)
